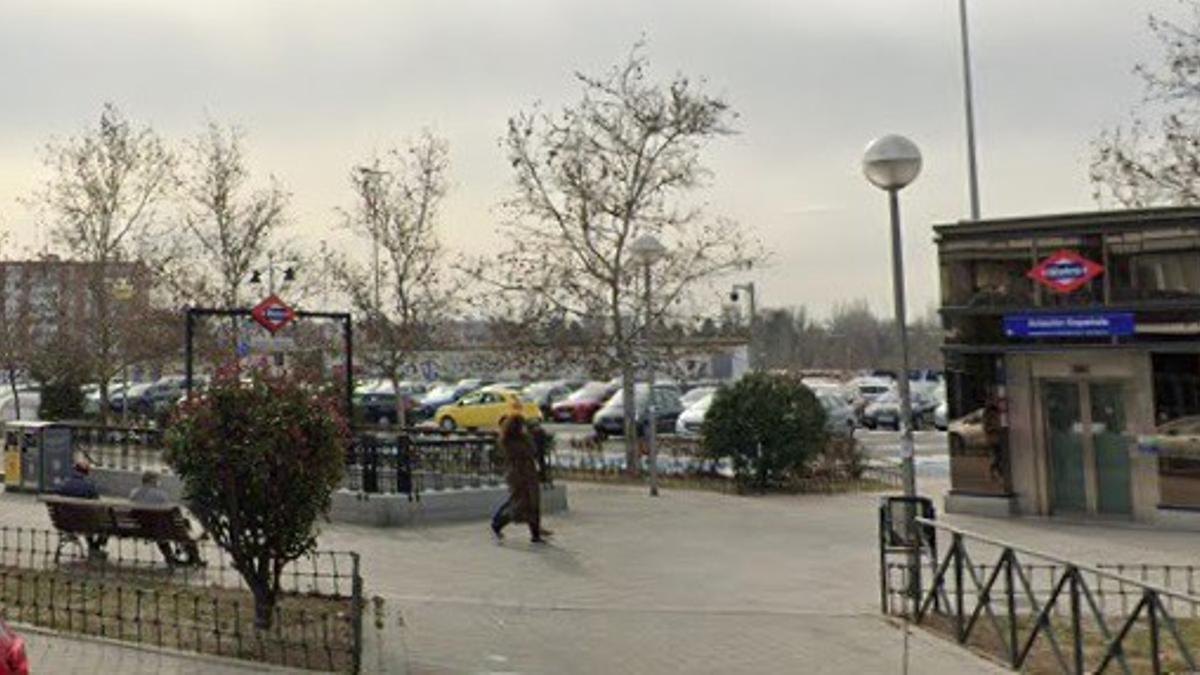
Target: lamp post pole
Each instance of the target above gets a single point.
(891, 163)
(647, 249)
(651, 413)
(751, 296)
(969, 104)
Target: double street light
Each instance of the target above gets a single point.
(648, 250)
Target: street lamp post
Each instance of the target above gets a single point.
(748, 287)
(648, 250)
(891, 163)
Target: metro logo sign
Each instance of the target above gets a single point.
(273, 314)
(1065, 272)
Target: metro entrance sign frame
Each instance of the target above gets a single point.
(267, 309)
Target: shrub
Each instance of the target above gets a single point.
(769, 425)
(259, 461)
(62, 399)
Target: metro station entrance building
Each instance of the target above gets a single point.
(1073, 364)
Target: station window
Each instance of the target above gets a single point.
(1155, 265)
(977, 438)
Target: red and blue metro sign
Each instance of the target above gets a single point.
(273, 314)
(1065, 272)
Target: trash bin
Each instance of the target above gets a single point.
(12, 458)
(41, 454)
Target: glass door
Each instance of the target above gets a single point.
(1111, 448)
(1065, 442)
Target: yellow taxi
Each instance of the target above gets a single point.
(485, 409)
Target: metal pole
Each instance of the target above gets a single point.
(972, 172)
(906, 426)
(651, 446)
(753, 323)
(906, 439)
(188, 328)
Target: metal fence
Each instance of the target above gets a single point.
(379, 461)
(414, 461)
(120, 448)
(1035, 611)
(49, 579)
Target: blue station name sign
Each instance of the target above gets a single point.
(1091, 324)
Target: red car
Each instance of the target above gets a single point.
(583, 403)
(13, 660)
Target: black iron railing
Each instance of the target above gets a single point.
(1039, 612)
(132, 594)
(120, 448)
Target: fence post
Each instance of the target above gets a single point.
(959, 628)
(356, 605)
(1076, 629)
(1008, 561)
(884, 590)
(1152, 615)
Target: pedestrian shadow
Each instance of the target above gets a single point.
(557, 557)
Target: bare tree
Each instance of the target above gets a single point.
(403, 293)
(616, 164)
(1155, 159)
(230, 224)
(102, 206)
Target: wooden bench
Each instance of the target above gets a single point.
(97, 520)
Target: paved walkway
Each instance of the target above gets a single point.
(691, 582)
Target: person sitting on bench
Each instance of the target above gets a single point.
(80, 486)
(150, 493)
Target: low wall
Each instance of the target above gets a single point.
(377, 510)
(434, 507)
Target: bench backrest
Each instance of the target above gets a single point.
(160, 523)
(143, 521)
(79, 516)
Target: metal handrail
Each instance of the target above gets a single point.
(1091, 569)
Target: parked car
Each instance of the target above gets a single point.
(28, 398)
(940, 415)
(546, 393)
(580, 406)
(485, 410)
(610, 420)
(840, 418)
(691, 420)
(884, 412)
(439, 396)
(161, 395)
(377, 401)
(695, 394)
(128, 396)
(13, 658)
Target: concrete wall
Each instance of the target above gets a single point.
(363, 509)
(434, 507)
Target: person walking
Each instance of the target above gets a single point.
(524, 503)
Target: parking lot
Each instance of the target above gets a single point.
(880, 446)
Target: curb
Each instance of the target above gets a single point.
(223, 661)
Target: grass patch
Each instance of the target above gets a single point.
(309, 631)
(1136, 646)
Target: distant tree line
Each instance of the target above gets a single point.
(851, 338)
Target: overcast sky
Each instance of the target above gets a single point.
(319, 85)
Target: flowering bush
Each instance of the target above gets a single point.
(259, 461)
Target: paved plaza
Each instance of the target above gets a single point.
(693, 582)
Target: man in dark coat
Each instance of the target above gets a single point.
(80, 486)
(524, 502)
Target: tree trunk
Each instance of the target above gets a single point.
(12, 382)
(264, 604)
